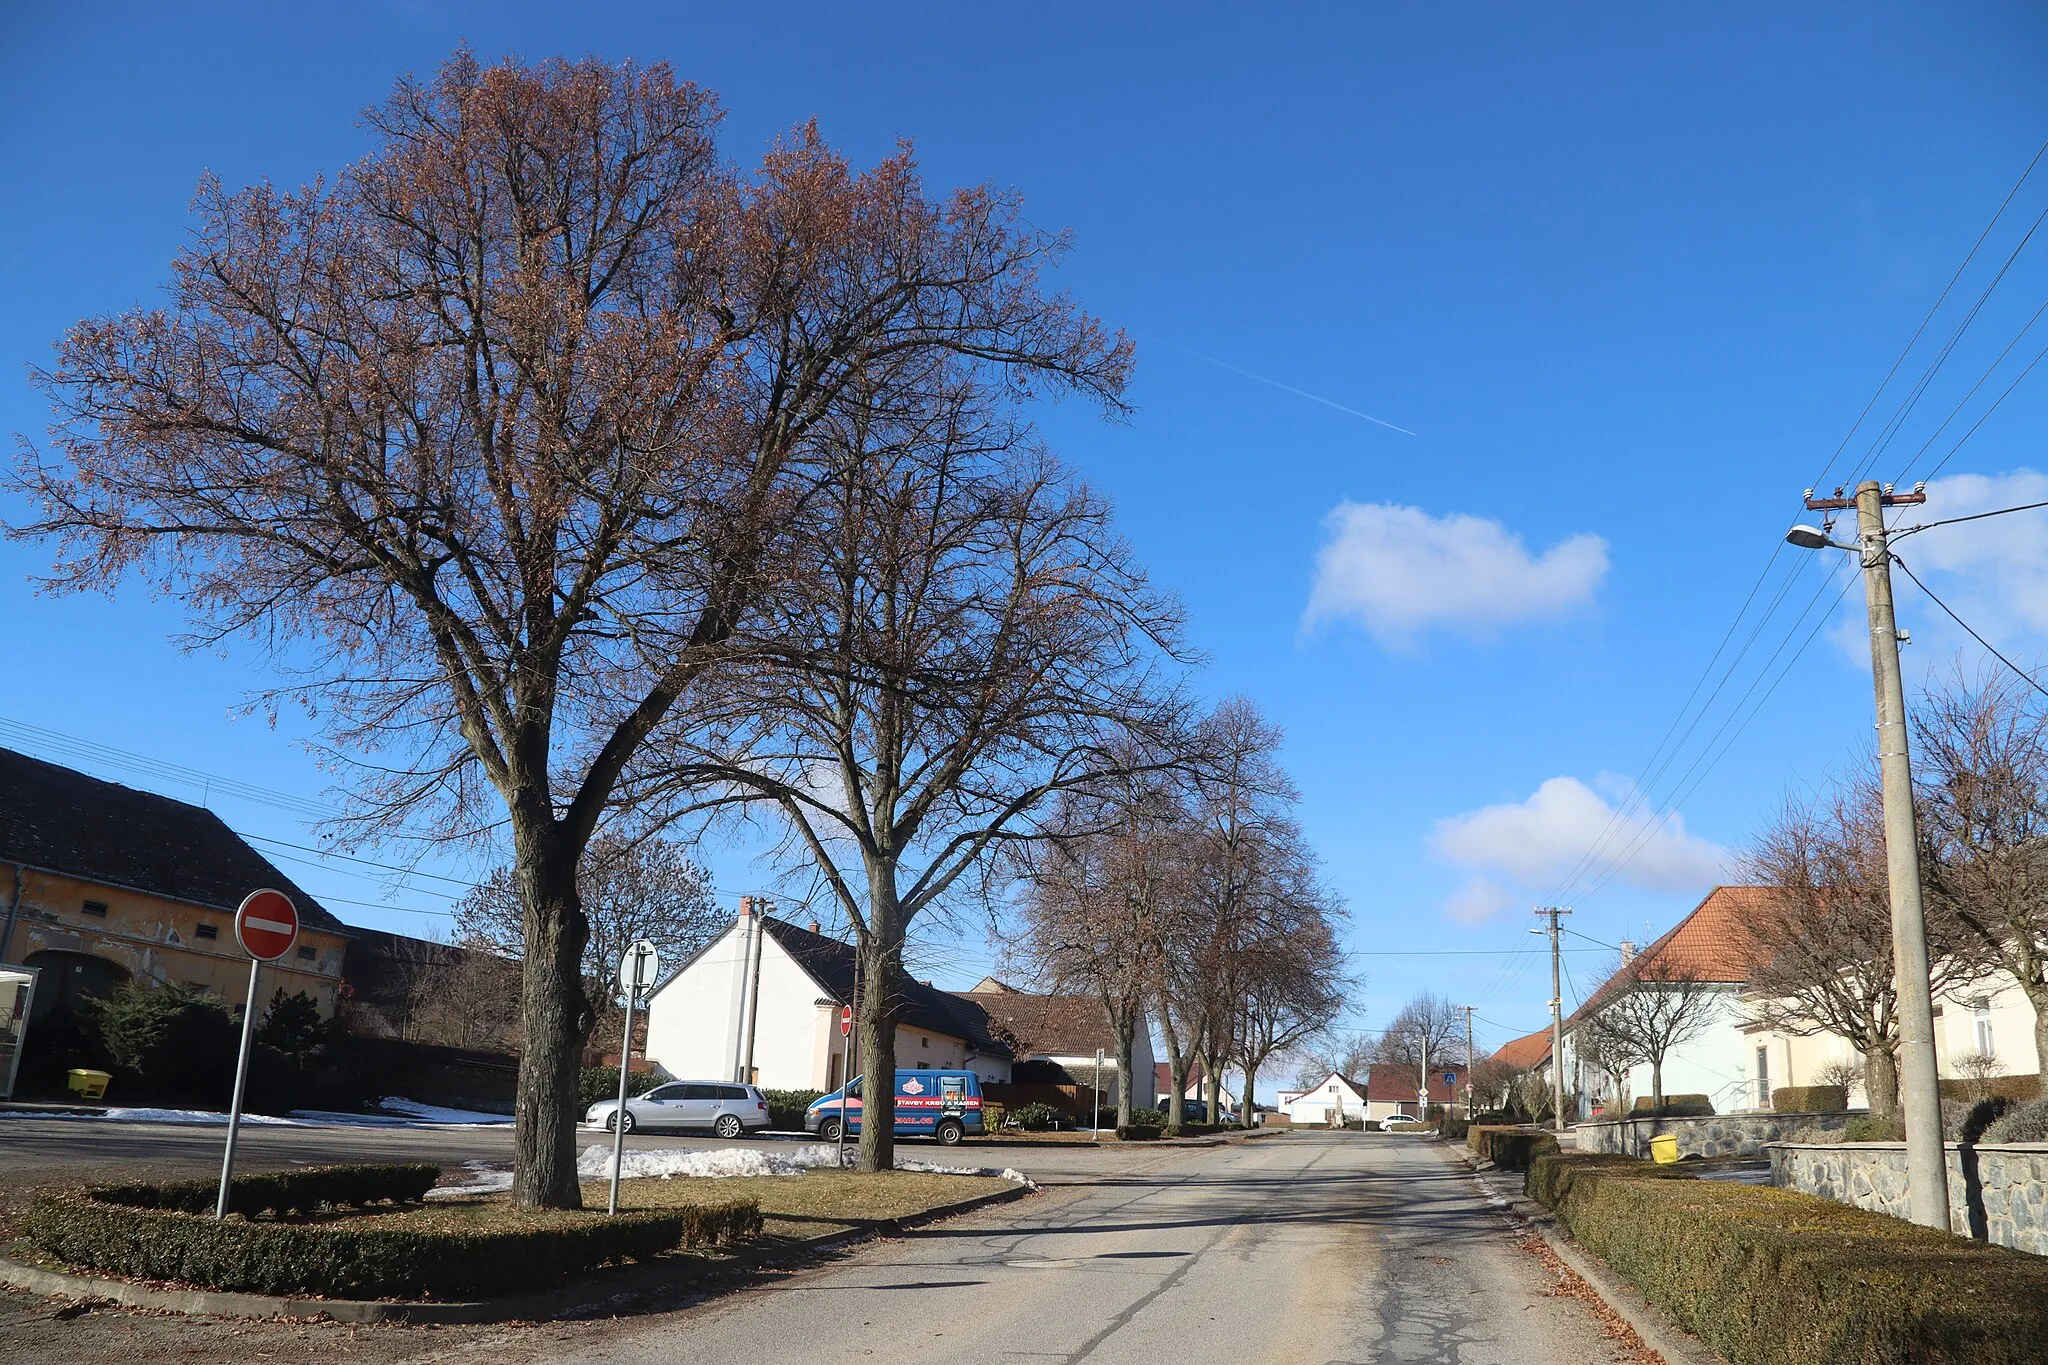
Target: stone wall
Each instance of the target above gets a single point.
(1708, 1135)
(1995, 1194)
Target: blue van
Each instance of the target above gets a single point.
(936, 1104)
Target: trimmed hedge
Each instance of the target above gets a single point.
(1511, 1149)
(1140, 1132)
(1769, 1277)
(526, 1252)
(1809, 1099)
(305, 1190)
(1454, 1128)
(786, 1108)
(2022, 1087)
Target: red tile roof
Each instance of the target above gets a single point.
(1396, 1081)
(1527, 1052)
(1711, 944)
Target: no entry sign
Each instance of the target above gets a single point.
(845, 1020)
(267, 924)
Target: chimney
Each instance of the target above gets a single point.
(814, 927)
(1628, 951)
(746, 907)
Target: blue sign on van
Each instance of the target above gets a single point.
(939, 1104)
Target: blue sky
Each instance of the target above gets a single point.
(1627, 278)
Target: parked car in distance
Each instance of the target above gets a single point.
(1401, 1123)
(945, 1105)
(721, 1107)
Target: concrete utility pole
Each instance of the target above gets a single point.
(1919, 1083)
(1468, 1059)
(1552, 912)
(1425, 1071)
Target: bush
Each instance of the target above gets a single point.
(1776, 1278)
(2026, 1121)
(1874, 1128)
(1809, 1099)
(1148, 1118)
(1039, 1117)
(1454, 1128)
(1674, 1107)
(1962, 1121)
(2022, 1087)
(1140, 1132)
(525, 1251)
(305, 1190)
(1511, 1149)
(786, 1108)
(598, 1083)
(169, 1044)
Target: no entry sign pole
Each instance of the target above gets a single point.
(637, 970)
(266, 925)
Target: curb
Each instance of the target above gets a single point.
(1660, 1334)
(607, 1290)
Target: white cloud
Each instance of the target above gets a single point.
(1398, 570)
(1540, 839)
(1478, 901)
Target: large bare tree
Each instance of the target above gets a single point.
(630, 889)
(977, 641)
(1983, 779)
(1820, 944)
(496, 438)
(1428, 1031)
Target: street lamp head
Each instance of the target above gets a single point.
(1808, 537)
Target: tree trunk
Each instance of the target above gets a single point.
(1212, 1085)
(1881, 1082)
(1244, 1101)
(1177, 1070)
(881, 974)
(882, 977)
(1657, 1082)
(1122, 1027)
(556, 1018)
(2037, 996)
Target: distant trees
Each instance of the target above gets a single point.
(1428, 1031)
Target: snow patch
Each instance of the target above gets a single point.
(194, 1116)
(727, 1162)
(433, 1113)
(484, 1178)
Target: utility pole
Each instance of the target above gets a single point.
(1919, 1084)
(1468, 1059)
(1425, 1071)
(1552, 912)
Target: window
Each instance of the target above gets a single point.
(1980, 1014)
(924, 1042)
(1763, 1076)
(662, 1094)
(207, 931)
(305, 954)
(732, 1092)
(98, 908)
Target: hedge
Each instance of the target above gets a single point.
(786, 1108)
(1770, 1277)
(1674, 1107)
(1809, 1099)
(1140, 1132)
(525, 1252)
(305, 1190)
(1454, 1128)
(1511, 1149)
(2022, 1087)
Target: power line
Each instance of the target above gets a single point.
(2021, 672)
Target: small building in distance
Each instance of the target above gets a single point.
(1396, 1088)
(760, 1003)
(1336, 1096)
(106, 885)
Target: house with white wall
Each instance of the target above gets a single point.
(1396, 1088)
(761, 1003)
(1335, 1095)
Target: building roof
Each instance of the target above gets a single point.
(1711, 945)
(1396, 1081)
(1527, 1052)
(1046, 1025)
(830, 963)
(60, 820)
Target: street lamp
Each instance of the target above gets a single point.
(1919, 1083)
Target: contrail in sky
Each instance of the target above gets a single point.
(1286, 388)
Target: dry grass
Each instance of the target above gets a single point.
(809, 1204)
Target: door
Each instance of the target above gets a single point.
(658, 1107)
(697, 1107)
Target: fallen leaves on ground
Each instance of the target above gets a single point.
(1570, 1284)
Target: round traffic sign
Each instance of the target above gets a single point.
(845, 1020)
(639, 967)
(267, 924)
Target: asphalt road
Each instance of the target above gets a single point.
(1313, 1248)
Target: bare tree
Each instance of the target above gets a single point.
(1347, 1055)
(1983, 778)
(1645, 1009)
(1091, 893)
(630, 890)
(1428, 1031)
(1292, 985)
(496, 438)
(977, 641)
(1820, 944)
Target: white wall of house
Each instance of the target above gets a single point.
(1992, 1015)
(1317, 1105)
(1714, 1062)
(691, 1021)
